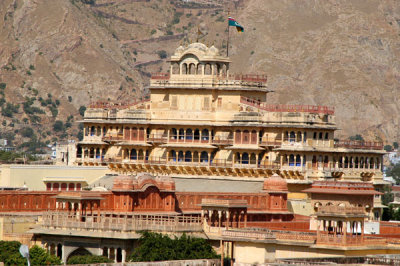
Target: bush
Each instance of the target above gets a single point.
(162, 54)
(32, 67)
(40, 256)
(356, 137)
(388, 148)
(27, 132)
(9, 109)
(82, 110)
(88, 259)
(58, 126)
(70, 98)
(3, 86)
(159, 247)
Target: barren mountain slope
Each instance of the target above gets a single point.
(327, 52)
(339, 53)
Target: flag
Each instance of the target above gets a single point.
(233, 22)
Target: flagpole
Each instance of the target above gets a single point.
(227, 45)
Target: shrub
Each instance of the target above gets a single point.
(3, 86)
(70, 98)
(87, 259)
(32, 67)
(159, 247)
(162, 54)
(58, 126)
(40, 256)
(82, 110)
(27, 132)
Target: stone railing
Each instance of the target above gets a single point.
(122, 222)
(341, 210)
(350, 240)
(295, 236)
(290, 108)
(248, 234)
(223, 202)
(367, 145)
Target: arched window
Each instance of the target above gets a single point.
(377, 165)
(196, 157)
(104, 131)
(245, 158)
(199, 69)
(246, 137)
(196, 135)
(238, 137)
(346, 162)
(184, 69)
(180, 156)
(298, 160)
(173, 155)
(207, 69)
(133, 154)
(127, 133)
(71, 187)
(304, 160)
(305, 137)
(181, 133)
(63, 186)
(292, 137)
(134, 134)
(326, 161)
(79, 187)
(320, 135)
(192, 69)
(298, 136)
(188, 156)
(362, 162)
(351, 162)
(253, 159)
(91, 153)
(204, 157)
(48, 186)
(253, 137)
(205, 135)
(141, 134)
(356, 162)
(140, 155)
(314, 161)
(291, 160)
(98, 131)
(326, 135)
(174, 134)
(92, 131)
(189, 134)
(56, 187)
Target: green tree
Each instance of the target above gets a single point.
(27, 132)
(9, 253)
(3, 86)
(356, 137)
(388, 148)
(40, 256)
(395, 145)
(159, 247)
(58, 126)
(88, 259)
(162, 54)
(82, 110)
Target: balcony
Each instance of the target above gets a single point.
(113, 138)
(365, 145)
(121, 222)
(222, 141)
(287, 107)
(188, 139)
(270, 143)
(157, 138)
(341, 210)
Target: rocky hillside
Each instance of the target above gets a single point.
(59, 55)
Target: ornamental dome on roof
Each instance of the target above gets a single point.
(275, 183)
(123, 182)
(198, 46)
(213, 51)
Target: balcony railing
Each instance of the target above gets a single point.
(122, 222)
(188, 139)
(341, 210)
(120, 105)
(157, 138)
(116, 137)
(223, 163)
(288, 108)
(222, 141)
(350, 144)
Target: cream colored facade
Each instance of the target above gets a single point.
(203, 121)
(34, 176)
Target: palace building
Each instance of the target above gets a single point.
(201, 121)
